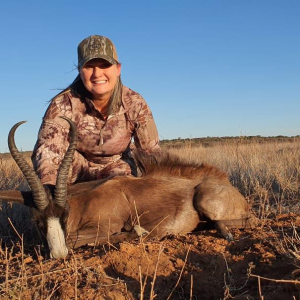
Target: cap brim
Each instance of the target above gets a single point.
(87, 59)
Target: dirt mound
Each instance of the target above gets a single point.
(197, 266)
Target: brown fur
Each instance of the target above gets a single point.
(171, 197)
(165, 164)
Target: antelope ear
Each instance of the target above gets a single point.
(23, 197)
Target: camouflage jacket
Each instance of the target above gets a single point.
(100, 141)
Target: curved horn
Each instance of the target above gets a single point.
(61, 187)
(38, 192)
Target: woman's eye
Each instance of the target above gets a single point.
(101, 65)
(104, 65)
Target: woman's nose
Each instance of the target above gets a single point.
(97, 72)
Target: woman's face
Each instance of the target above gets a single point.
(100, 77)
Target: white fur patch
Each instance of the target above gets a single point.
(56, 239)
(140, 231)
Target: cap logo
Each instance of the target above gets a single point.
(97, 44)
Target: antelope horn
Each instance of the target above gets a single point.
(61, 187)
(38, 192)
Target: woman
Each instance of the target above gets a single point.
(107, 115)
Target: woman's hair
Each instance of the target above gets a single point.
(78, 89)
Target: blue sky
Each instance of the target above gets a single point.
(206, 68)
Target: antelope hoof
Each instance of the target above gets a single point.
(140, 231)
(229, 237)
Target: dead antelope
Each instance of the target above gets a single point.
(171, 197)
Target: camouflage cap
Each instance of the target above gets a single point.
(96, 46)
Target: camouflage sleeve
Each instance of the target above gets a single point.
(146, 135)
(51, 144)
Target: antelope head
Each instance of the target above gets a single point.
(49, 212)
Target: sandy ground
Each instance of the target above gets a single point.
(197, 266)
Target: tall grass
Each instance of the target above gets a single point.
(267, 174)
(11, 178)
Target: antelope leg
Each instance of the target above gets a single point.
(89, 235)
(23, 197)
(247, 222)
(223, 226)
(223, 230)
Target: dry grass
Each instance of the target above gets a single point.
(11, 178)
(288, 244)
(267, 174)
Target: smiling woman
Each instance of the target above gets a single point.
(99, 78)
(107, 115)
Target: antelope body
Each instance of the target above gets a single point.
(171, 197)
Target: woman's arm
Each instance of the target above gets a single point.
(52, 142)
(145, 134)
